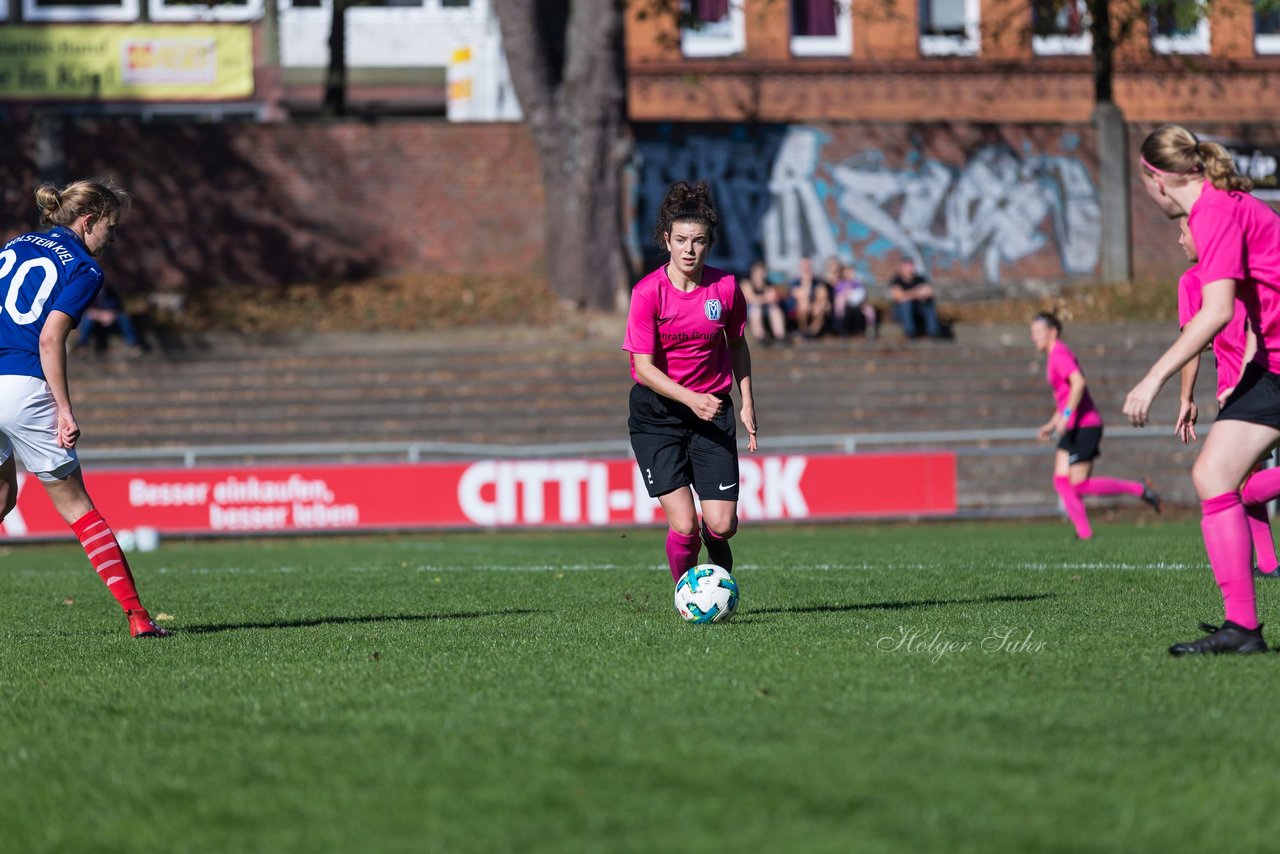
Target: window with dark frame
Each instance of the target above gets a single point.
(943, 18)
(1266, 20)
(708, 11)
(77, 4)
(1059, 18)
(1174, 18)
(79, 10)
(813, 17)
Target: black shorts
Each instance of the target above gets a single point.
(675, 448)
(1256, 398)
(1082, 444)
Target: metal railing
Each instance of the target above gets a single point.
(964, 442)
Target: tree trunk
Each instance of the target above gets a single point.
(335, 78)
(1112, 132)
(1104, 50)
(568, 69)
(585, 249)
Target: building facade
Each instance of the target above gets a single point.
(950, 60)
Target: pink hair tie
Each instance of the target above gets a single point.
(1156, 171)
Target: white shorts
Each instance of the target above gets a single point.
(29, 428)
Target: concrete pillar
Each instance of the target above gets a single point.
(1113, 192)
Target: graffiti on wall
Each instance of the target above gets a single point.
(738, 169)
(783, 200)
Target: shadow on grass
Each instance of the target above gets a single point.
(897, 606)
(338, 621)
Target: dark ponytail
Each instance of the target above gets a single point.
(1050, 320)
(686, 203)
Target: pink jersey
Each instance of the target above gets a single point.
(1238, 237)
(685, 332)
(1062, 364)
(1229, 344)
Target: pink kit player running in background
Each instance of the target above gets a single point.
(1079, 425)
(1233, 348)
(685, 335)
(51, 278)
(1238, 242)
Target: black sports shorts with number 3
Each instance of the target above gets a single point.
(676, 448)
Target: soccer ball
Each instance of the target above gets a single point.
(706, 594)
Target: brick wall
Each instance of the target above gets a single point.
(992, 208)
(887, 79)
(264, 204)
(987, 209)
(983, 208)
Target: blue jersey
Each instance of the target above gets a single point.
(40, 273)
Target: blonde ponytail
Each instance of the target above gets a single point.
(65, 206)
(1220, 168)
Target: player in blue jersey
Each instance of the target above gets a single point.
(47, 280)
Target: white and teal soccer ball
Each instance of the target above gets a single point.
(706, 594)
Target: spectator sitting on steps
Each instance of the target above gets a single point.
(811, 301)
(913, 306)
(764, 303)
(104, 315)
(852, 313)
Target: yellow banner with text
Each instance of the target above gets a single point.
(133, 62)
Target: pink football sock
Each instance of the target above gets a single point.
(1264, 547)
(682, 552)
(1109, 486)
(1262, 486)
(1074, 507)
(1226, 539)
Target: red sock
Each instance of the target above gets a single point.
(1074, 506)
(1226, 539)
(108, 560)
(682, 552)
(1109, 486)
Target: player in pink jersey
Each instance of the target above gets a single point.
(685, 336)
(1079, 424)
(1238, 242)
(1233, 348)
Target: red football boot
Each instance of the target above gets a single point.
(142, 626)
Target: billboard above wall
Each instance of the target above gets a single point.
(135, 62)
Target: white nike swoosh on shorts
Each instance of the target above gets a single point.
(730, 486)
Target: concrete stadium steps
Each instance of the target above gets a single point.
(527, 387)
(1023, 482)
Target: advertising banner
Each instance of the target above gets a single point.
(483, 494)
(134, 62)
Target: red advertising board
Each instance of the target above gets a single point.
(482, 494)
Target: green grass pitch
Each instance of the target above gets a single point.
(945, 687)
